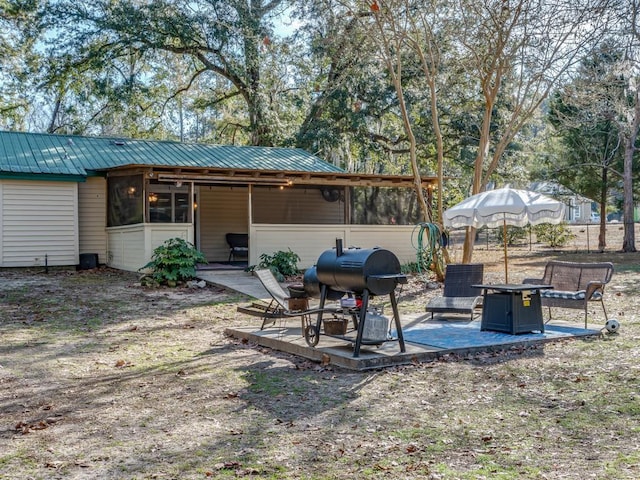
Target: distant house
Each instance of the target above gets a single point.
(578, 207)
(64, 196)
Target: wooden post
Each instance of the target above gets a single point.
(504, 236)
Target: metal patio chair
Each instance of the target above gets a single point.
(238, 245)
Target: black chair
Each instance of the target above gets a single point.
(238, 245)
(458, 295)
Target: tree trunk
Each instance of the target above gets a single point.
(54, 115)
(629, 238)
(469, 241)
(602, 235)
(483, 153)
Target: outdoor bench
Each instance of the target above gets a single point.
(574, 284)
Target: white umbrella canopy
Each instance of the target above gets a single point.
(504, 206)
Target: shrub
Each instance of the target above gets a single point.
(553, 235)
(282, 264)
(514, 234)
(172, 262)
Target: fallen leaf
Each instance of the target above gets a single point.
(227, 465)
(41, 425)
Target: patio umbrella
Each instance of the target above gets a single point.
(504, 206)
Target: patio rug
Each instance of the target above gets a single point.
(451, 335)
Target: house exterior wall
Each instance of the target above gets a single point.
(38, 223)
(92, 217)
(63, 219)
(578, 210)
(131, 247)
(309, 241)
(221, 210)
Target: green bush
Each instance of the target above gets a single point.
(282, 264)
(553, 235)
(514, 235)
(172, 262)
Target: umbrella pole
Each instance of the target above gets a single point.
(504, 236)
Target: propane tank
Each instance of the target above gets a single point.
(376, 326)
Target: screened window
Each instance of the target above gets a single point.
(124, 200)
(168, 204)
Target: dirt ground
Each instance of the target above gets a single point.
(101, 378)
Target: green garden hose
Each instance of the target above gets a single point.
(430, 240)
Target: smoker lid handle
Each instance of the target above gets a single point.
(400, 277)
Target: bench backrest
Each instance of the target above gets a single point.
(574, 276)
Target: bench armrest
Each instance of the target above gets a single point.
(593, 287)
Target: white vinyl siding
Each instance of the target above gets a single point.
(92, 211)
(131, 247)
(39, 223)
(221, 210)
(125, 249)
(309, 241)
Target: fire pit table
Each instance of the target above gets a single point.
(512, 308)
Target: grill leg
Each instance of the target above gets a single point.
(363, 314)
(396, 318)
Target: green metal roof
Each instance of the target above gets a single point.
(45, 154)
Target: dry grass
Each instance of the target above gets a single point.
(100, 378)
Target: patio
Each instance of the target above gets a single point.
(425, 339)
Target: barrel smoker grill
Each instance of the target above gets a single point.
(362, 273)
